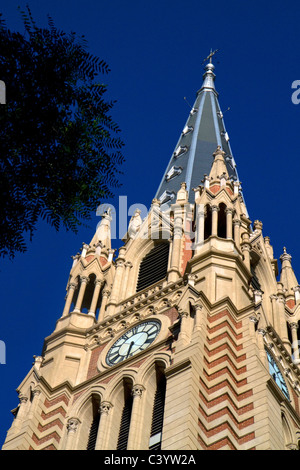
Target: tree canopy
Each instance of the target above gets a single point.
(60, 150)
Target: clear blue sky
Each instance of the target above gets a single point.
(155, 51)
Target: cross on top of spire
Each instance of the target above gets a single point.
(209, 57)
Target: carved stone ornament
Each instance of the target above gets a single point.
(105, 406)
(23, 398)
(137, 390)
(73, 424)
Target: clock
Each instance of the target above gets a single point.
(133, 341)
(277, 375)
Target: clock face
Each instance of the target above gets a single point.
(133, 341)
(277, 375)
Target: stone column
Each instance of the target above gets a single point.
(281, 317)
(198, 317)
(128, 266)
(36, 392)
(214, 224)
(98, 284)
(115, 291)
(276, 320)
(105, 296)
(22, 412)
(174, 272)
(229, 213)
(83, 283)
(72, 428)
(70, 294)
(184, 336)
(200, 226)
(295, 343)
(237, 235)
(103, 430)
(246, 249)
(135, 429)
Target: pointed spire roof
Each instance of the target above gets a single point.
(287, 275)
(218, 167)
(202, 134)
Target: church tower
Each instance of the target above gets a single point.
(186, 338)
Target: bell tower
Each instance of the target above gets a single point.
(186, 336)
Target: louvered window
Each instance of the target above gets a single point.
(158, 415)
(93, 433)
(154, 266)
(125, 424)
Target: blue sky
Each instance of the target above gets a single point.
(155, 51)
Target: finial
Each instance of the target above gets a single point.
(209, 76)
(285, 256)
(209, 57)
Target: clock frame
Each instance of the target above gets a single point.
(134, 340)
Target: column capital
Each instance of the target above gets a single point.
(105, 407)
(253, 319)
(137, 390)
(72, 424)
(120, 262)
(237, 222)
(35, 392)
(72, 285)
(262, 331)
(84, 279)
(99, 282)
(229, 210)
(23, 398)
(183, 313)
(198, 307)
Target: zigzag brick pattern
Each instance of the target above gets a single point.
(225, 397)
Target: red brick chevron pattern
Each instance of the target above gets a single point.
(44, 430)
(225, 406)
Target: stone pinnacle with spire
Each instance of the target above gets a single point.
(287, 275)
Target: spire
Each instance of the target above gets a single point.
(287, 275)
(203, 132)
(218, 168)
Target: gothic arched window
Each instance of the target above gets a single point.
(207, 222)
(158, 412)
(94, 425)
(125, 418)
(222, 231)
(154, 266)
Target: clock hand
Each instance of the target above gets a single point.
(128, 352)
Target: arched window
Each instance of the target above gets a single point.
(154, 266)
(158, 411)
(126, 417)
(92, 438)
(222, 231)
(88, 294)
(207, 222)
